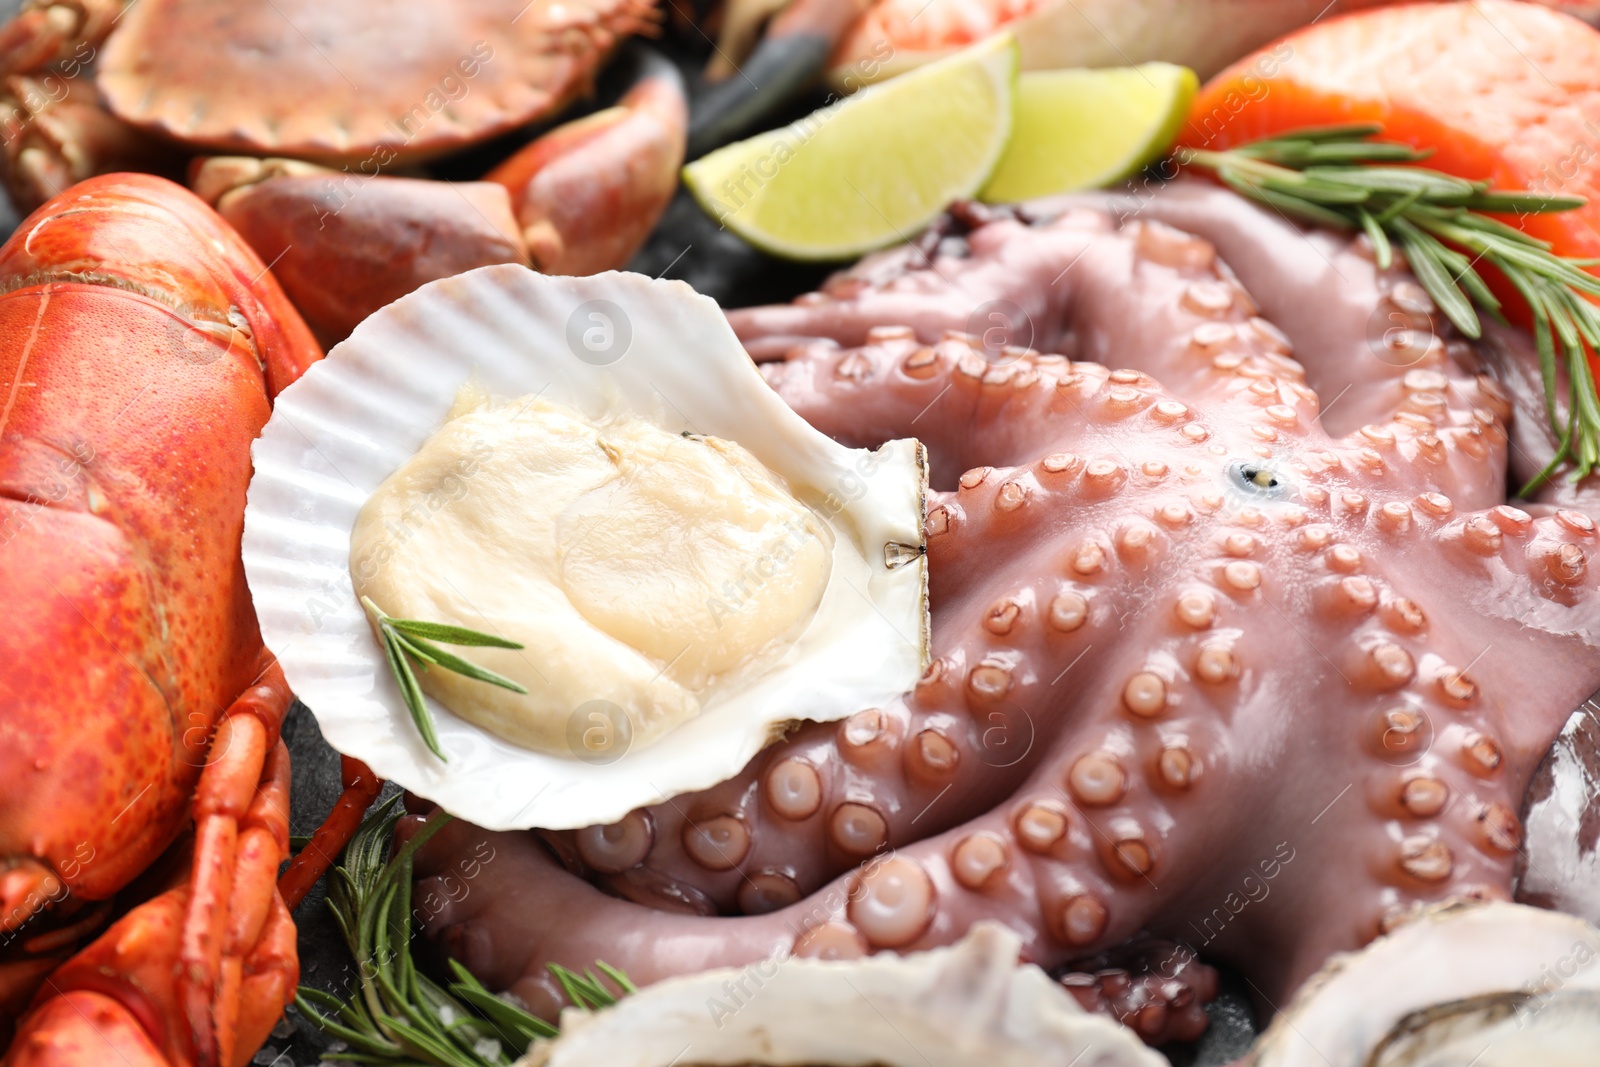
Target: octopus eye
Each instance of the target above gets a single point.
(1263, 478)
(1257, 478)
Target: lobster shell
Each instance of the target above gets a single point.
(140, 344)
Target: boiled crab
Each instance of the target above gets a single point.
(363, 91)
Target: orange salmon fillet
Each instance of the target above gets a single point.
(1500, 90)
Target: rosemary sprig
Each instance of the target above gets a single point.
(407, 640)
(1339, 176)
(400, 1015)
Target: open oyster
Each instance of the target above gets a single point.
(1560, 863)
(593, 469)
(1491, 985)
(967, 1004)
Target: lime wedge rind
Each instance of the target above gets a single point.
(1088, 128)
(871, 170)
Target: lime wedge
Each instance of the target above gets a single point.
(1082, 129)
(871, 170)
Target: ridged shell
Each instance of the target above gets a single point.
(339, 431)
(967, 1004)
(1471, 967)
(370, 84)
(1560, 865)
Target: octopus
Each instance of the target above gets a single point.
(1241, 653)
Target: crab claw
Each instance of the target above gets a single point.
(588, 193)
(343, 244)
(56, 134)
(741, 24)
(25, 888)
(789, 59)
(46, 31)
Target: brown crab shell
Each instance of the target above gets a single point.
(370, 83)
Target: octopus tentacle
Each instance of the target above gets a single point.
(816, 805)
(968, 411)
(1396, 378)
(1356, 329)
(1157, 987)
(1145, 297)
(935, 289)
(1091, 842)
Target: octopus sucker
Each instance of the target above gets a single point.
(1263, 694)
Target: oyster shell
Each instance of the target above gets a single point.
(1560, 862)
(1491, 985)
(966, 1004)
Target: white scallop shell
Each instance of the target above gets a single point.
(339, 431)
(970, 1003)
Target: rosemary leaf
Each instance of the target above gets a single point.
(616, 976)
(1368, 152)
(451, 662)
(434, 1050)
(1544, 342)
(1467, 278)
(1479, 290)
(1350, 131)
(410, 691)
(520, 1024)
(1515, 203)
(1291, 205)
(1382, 253)
(1588, 437)
(1400, 207)
(583, 990)
(351, 1037)
(450, 635)
(1316, 191)
(1422, 252)
(1468, 219)
(400, 1017)
(1584, 317)
(410, 647)
(1552, 267)
(1560, 319)
(1396, 181)
(408, 640)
